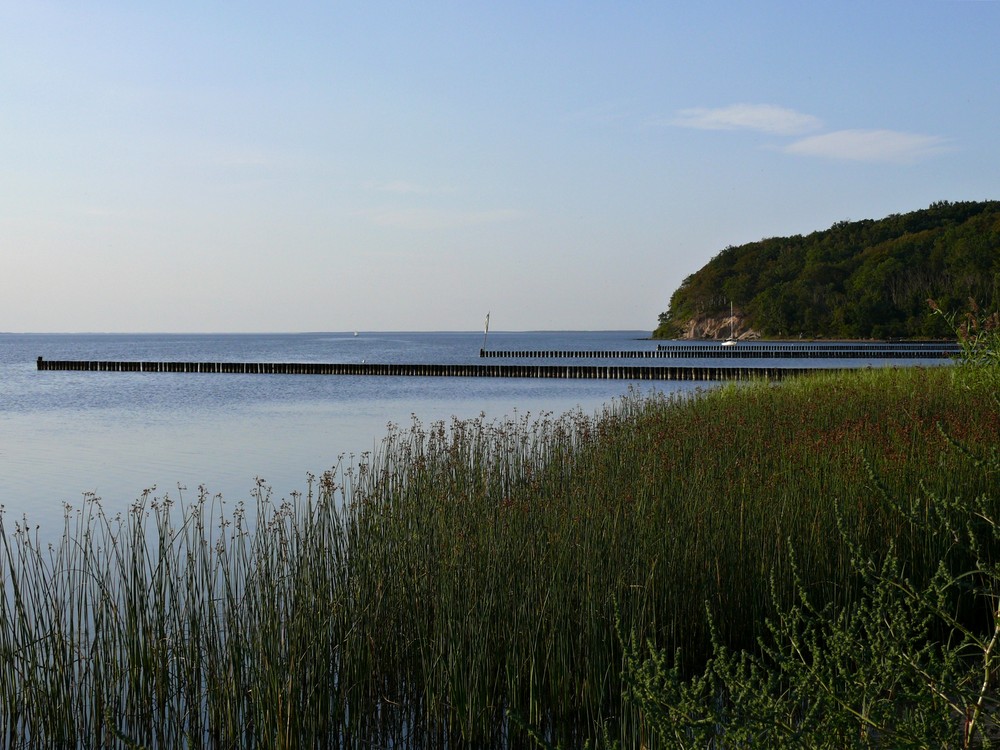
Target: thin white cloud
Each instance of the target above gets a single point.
(432, 219)
(764, 118)
(869, 145)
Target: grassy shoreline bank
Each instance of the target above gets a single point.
(470, 570)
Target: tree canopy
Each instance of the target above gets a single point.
(857, 279)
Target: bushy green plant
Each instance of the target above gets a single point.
(978, 334)
(899, 669)
(907, 664)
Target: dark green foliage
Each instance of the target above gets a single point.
(861, 279)
(912, 661)
(897, 668)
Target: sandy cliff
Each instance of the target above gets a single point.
(706, 327)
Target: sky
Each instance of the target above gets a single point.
(200, 166)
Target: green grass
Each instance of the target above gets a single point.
(462, 583)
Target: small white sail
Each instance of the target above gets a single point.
(732, 336)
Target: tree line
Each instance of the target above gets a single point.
(857, 279)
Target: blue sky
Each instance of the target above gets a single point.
(305, 166)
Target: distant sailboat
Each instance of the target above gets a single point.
(732, 336)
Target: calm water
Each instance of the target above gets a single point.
(115, 434)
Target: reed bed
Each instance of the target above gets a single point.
(460, 585)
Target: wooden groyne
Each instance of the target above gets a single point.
(591, 372)
(743, 351)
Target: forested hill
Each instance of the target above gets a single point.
(857, 279)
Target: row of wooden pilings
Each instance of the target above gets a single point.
(731, 352)
(593, 372)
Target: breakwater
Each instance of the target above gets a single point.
(593, 372)
(747, 350)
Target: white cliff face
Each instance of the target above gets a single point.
(706, 327)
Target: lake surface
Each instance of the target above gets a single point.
(115, 434)
(63, 434)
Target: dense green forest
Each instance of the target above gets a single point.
(857, 279)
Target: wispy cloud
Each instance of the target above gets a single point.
(433, 219)
(870, 145)
(764, 118)
(867, 145)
